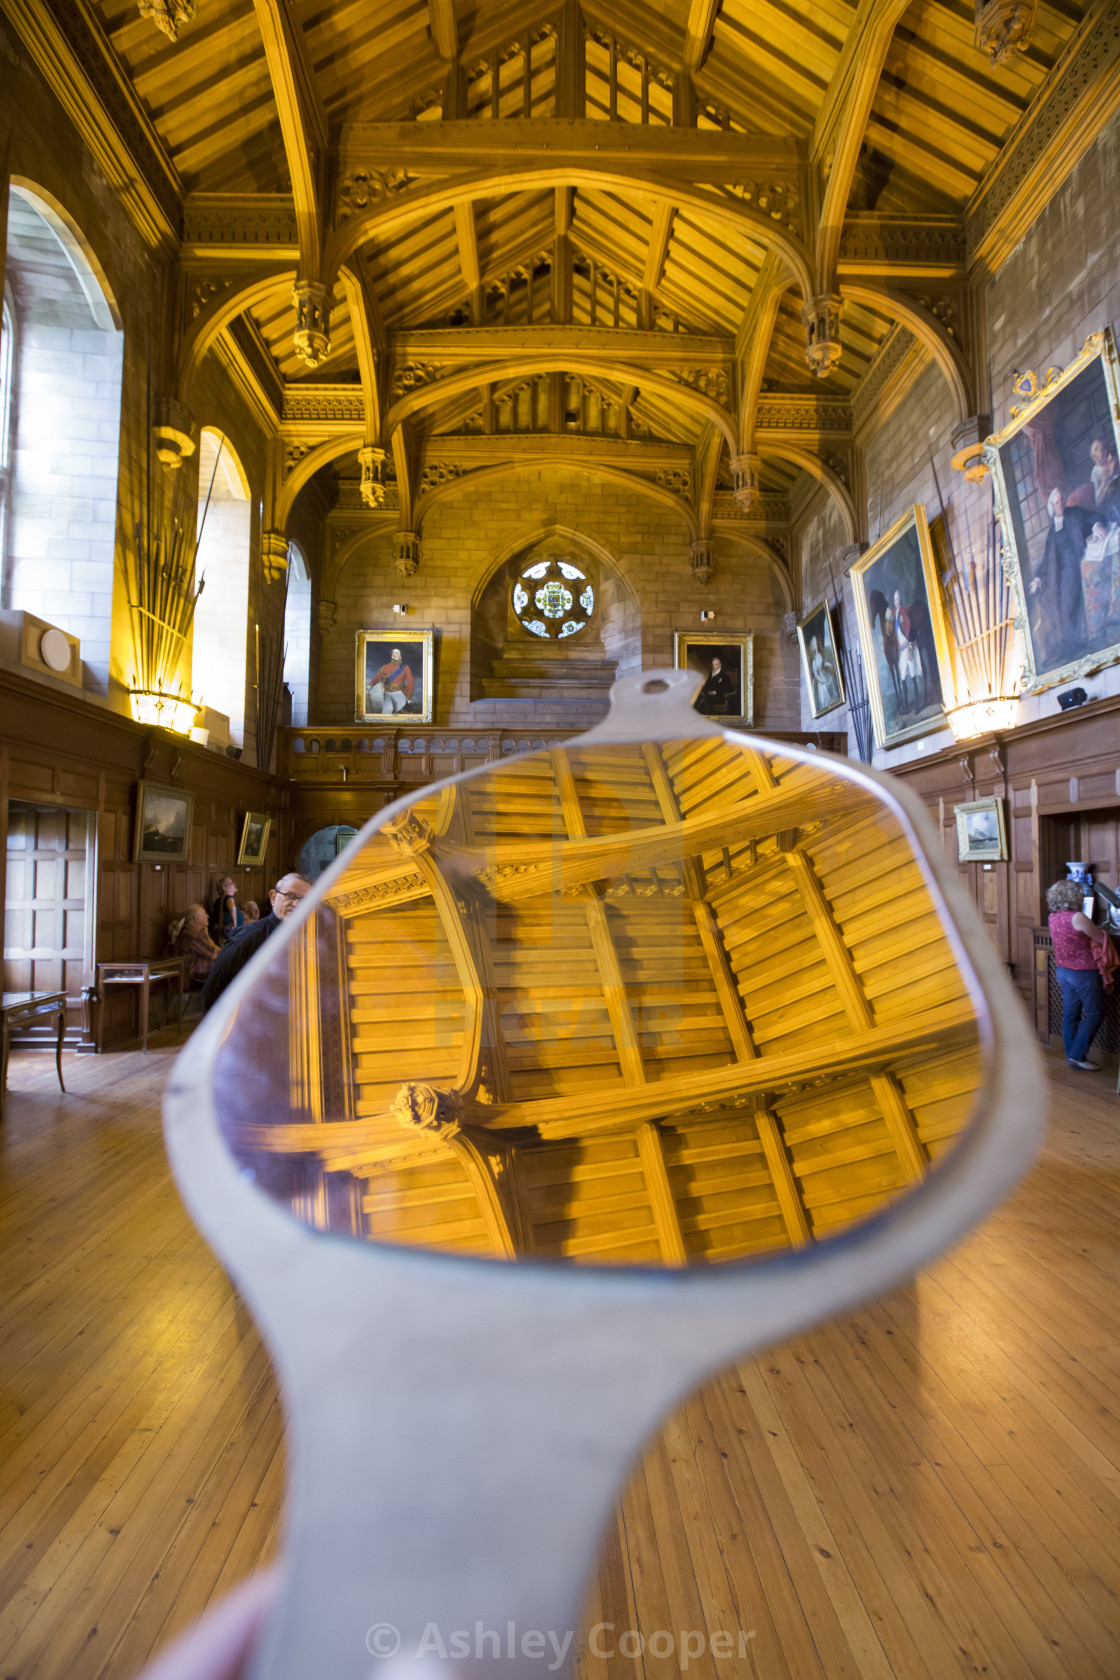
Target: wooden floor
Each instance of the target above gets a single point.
(928, 1488)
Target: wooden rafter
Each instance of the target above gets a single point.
(303, 124)
(444, 27)
(666, 1217)
(467, 237)
(698, 33)
(369, 343)
(842, 123)
(656, 252)
(888, 1092)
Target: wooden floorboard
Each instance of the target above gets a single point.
(927, 1488)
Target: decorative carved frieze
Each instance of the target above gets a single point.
(341, 404)
(362, 188)
(378, 893)
(414, 374)
(436, 473)
(350, 496)
(239, 219)
(676, 479)
(763, 510)
(791, 413)
(312, 338)
(777, 200)
(1050, 130)
(293, 455)
(204, 291)
(890, 242)
(710, 382)
(1003, 27)
(821, 320)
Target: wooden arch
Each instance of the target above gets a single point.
(219, 312)
(816, 468)
(928, 330)
(732, 213)
(428, 396)
(347, 443)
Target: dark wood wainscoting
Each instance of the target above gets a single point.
(1060, 780)
(61, 753)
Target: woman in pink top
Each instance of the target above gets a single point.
(1075, 957)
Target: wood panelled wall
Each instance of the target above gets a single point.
(63, 752)
(1060, 780)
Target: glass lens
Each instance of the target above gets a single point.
(652, 1004)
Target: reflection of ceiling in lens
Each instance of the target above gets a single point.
(626, 1005)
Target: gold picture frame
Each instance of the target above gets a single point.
(725, 659)
(909, 674)
(1067, 603)
(255, 830)
(394, 677)
(163, 824)
(981, 831)
(820, 660)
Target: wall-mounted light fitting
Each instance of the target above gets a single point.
(706, 615)
(400, 609)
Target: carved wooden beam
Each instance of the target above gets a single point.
(666, 1217)
(887, 1091)
(511, 871)
(659, 236)
(468, 259)
(444, 28)
(698, 33)
(303, 125)
(1079, 97)
(369, 343)
(834, 150)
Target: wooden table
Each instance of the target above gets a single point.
(17, 1009)
(145, 974)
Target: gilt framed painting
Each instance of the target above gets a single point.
(163, 824)
(902, 631)
(254, 839)
(1057, 489)
(395, 676)
(726, 662)
(820, 660)
(981, 831)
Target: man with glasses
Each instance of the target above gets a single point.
(247, 941)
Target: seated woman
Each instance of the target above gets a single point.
(226, 916)
(193, 942)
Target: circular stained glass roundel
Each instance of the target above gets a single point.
(553, 599)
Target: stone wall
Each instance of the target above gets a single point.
(643, 549)
(1061, 283)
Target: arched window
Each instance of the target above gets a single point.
(63, 357)
(221, 620)
(297, 634)
(553, 599)
(7, 397)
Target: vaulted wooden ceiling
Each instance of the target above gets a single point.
(614, 1004)
(780, 189)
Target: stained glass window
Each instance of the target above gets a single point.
(544, 588)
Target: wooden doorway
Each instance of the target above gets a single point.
(49, 908)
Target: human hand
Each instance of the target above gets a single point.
(219, 1644)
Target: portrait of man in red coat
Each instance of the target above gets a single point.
(390, 687)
